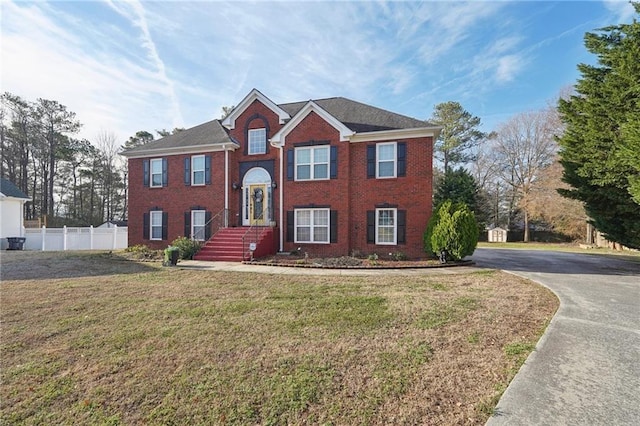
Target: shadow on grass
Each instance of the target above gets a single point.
(47, 265)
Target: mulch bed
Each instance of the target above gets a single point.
(348, 262)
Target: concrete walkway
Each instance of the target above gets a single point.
(586, 368)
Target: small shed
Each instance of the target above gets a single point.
(12, 201)
(497, 235)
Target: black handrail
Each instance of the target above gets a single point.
(223, 215)
(254, 227)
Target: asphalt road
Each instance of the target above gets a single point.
(586, 368)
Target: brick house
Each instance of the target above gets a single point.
(329, 177)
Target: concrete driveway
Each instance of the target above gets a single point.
(586, 368)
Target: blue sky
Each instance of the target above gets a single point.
(147, 65)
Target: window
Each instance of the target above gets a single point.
(197, 170)
(312, 226)
(312, 163)
(386, 160)
(257, 141)
(156, 172)
(198, 220)
(155, 230)
(386, 226)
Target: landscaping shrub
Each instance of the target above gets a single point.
(453, 228)
(188, 247)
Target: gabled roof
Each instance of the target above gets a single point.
(308, 108)
(230, 121)
(209, 136)
(9, 189)
(360, 117)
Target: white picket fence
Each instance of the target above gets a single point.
(68, 238)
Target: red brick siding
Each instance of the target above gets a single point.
(352, 194)
(332, 192)
(176, 198)
(412, 193)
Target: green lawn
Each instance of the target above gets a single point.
(126, 343)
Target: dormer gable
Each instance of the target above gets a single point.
(230, 121)
(279, 138)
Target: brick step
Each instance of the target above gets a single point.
(227, 245)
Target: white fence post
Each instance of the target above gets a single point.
(64, 238)
(44, 236)
(91, 237)
(115, 236)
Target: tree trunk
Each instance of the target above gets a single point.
(526, 226)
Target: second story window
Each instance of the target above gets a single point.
(257, 141)
(197, 170)
(386, 167)
(312, 163)
(156, 172)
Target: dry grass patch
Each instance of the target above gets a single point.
(171, 346)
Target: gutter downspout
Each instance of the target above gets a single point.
(226, 186)
(280, 201)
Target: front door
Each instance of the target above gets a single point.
(258, 211)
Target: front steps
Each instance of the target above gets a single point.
(226, 244)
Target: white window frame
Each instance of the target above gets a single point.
(251, 141)
(312, 162)
(394, 160)
(312, 225)
(194, 170)
(152, 225)
(195, 228)
(394, 227)
(151, 172)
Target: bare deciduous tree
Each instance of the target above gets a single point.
(524, 146)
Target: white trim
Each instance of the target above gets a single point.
(202, 213)
(203, 170)
(394, 159)
(151, 161)
(311, 226)
(395, 227)
(263, 146)
(230, 120)
(178, 150)
(279, 138)
(383, 135)
(312, 163)
(153, 213)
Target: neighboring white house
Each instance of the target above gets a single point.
(12, 200)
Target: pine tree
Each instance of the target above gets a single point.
(600, 150)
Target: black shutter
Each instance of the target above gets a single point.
(165, 225)
(145, 173)
(402, 227)
(207, 169)
(165, 173)
(207, 227)
(371, 226)
(290, 165)
(290, 226)
(187, 224)
(187, 171)
(333, 223)
(145, 226)
(333, 165)
(402, 158)
(371, 161)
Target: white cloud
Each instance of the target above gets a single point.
(622, 9)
